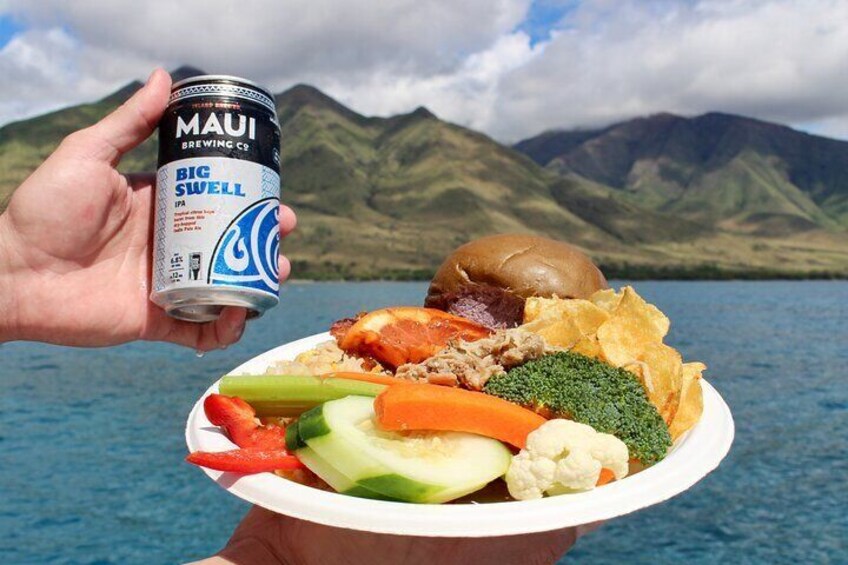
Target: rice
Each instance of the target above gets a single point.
(325, 357)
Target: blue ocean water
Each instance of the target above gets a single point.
(91, 441)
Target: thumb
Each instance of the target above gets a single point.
(134, 121)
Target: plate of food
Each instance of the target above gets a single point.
(524, 396)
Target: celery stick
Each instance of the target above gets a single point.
(290, 395)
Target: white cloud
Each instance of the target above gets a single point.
(47, 69)
(466, 94)
(332, 44)
(782, 60)
(279, 40)
(31, 77)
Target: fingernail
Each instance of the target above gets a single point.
(150, 78)
(237, 327)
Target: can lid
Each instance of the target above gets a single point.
(226, 85)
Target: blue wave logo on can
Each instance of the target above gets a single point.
(247, 253)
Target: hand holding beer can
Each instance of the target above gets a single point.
(216, 238)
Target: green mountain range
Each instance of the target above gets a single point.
(663, 196)
(716, 168)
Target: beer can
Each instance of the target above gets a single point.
(216, 237)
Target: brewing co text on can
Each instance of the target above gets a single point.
(216, 235)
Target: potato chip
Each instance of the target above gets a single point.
(624, 338)
(664, 400)
(589, 347)
(623, 330)
(691, 400)
(564, 322)
(606, 299)
(665, 373)
(632, 327)
(559, 332)
(587, 315)
(633, 305)
(535, 308)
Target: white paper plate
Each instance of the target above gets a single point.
(693, 456)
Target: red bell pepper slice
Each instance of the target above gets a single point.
(245, 460)
(238, 418)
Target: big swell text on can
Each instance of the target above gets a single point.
(216, 236)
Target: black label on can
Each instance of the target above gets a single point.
(210, 127)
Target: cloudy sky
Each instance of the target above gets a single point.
(511, 68)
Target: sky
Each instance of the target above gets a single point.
(510, 68)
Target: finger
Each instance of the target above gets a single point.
(224, 331)
(288, 220)
(229, 326)
(134, 120)
(584, 529)
(285, 268)
(140, 180)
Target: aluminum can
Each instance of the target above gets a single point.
(216, 237)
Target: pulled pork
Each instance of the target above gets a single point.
(491, 306)
(471, 364)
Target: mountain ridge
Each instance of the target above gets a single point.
(389, 197)
(668, 157)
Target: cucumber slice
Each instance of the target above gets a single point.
(338, 481)
(328, 474)
(291, 395)
(428, 467)
(293, 441)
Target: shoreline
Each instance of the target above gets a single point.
(728, 277)
(612, 270)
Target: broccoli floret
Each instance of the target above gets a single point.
(586, 390)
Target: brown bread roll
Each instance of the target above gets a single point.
(488, 279)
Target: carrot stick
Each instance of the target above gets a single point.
(367, 377)
(434, 407)
(605, 477)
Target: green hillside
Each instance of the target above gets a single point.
(381, 196)
(716, 168)
(389, 197)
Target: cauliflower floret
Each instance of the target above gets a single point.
(563, 456)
